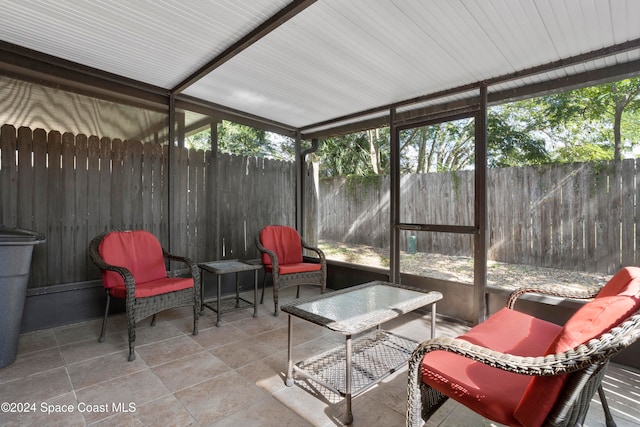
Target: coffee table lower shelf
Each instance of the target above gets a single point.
(374, 356)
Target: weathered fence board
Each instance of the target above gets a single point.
(573, 216)
(54, 209)
(81, 232)
(68, 218)
(628, 191)
(93, 196)
(25, 178)
(72, 188)
(8, 181)
(103, 191)
(40, 202)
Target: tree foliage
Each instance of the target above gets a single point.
(594, 123)
(351, 154)
(242, 140)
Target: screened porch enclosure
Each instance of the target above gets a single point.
(96, 107)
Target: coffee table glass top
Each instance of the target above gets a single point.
(361, 307)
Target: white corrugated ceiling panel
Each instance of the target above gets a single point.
(338, 57)
(335, 58)
(160, 42)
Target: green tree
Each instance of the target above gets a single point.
(598, 120)
(360, 154)
(512, 137)
(242, 140)
(446, 146)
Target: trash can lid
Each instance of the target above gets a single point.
(10, 234)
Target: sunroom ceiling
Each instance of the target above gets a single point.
(330, 59)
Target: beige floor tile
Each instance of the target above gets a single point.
(208, 320)
(184, 324)
(316, 411)
(137, 388)
(258, 325)
(190, 385)
(243, 352)
(147, 334)
(230, 316)
(173, 314)
(190, 370)
(87, 349)
(81, 332)
(317, 346)
(301, 331)
(60, 411)
(390, 392)
(104, 368)
(166, 411)
(119, 322)
(268, 373)
(168, 350)
(220, 397)
(37, 388)
(265, 413)
(37, 341)
(219, 336)
(368, 412)
(32, 363)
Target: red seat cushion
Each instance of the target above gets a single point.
(155, 287)
(138, 251)
(491, 392)
(284, 241)
(299, 267)
(618, 300)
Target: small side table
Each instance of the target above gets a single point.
(225, 267)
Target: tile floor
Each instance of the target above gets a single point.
(232, 375)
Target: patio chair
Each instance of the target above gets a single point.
(518, 370)
(281, 255)
(133, 269)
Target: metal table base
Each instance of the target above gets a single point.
(234, 302)
(363, 361)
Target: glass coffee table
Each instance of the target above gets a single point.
(365, 360)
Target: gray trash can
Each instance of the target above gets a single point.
(16, 248)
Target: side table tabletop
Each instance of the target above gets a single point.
(226, 267)
(354, 368)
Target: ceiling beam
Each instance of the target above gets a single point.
(37, 67)
(196, 105)
(461, 107)
(567, 62)
(576, 81)
(291, 10)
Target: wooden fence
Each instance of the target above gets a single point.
(580, 216)
(73, 187)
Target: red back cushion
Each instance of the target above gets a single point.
(616, 301)
(284, 241)
(489, 391)
(138, 251)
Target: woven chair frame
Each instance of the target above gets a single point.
(585, 363)
(282, 281)
(141, 308)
